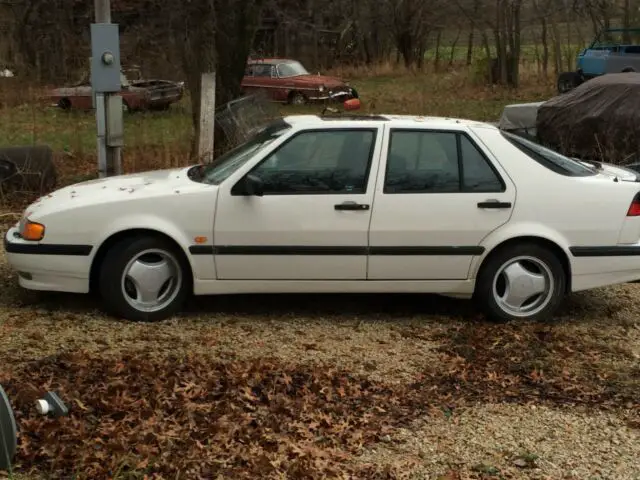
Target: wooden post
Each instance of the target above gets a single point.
(207, 117)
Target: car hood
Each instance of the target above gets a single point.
(143, 185)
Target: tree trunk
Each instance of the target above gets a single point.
(436, 60)
(470, 47)
(626, 20)
(516, 42)
(197, 55)
(545, 49)
(216, 43)
(453, 48)
(557, 64)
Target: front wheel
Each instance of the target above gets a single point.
(144, 279)
(521, 282)
(297, 98)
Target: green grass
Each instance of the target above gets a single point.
(75, 131)
(529, 52)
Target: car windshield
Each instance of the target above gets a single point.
(549, 158)
(291, 69)
(229, 162)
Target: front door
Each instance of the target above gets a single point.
(438, 196)
(312, 221)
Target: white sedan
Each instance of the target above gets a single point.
(343, 204)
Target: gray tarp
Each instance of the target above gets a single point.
(600, 119)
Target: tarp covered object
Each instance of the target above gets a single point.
(600, 119)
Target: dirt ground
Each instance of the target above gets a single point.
(326, 386)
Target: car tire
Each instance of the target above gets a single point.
(64, 104)
(144, 266)
(297, 98)
(567, 81)
(536, 269)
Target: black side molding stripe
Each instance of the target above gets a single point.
(201, 250)
(614, 251)
(288, 250)
(48, 249)
(435, 250)
(332, 250)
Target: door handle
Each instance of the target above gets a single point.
(494, 204)
(351, 206)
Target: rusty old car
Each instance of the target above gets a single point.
(288, 81)
(137, 93)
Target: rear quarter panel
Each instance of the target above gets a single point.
(570, 211)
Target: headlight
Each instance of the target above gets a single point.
(321, 88)
(32, 231)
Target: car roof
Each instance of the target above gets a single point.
(405, 121)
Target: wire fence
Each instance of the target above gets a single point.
(241, 118)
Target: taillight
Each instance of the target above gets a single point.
(634, 208)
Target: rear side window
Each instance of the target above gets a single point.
(549, 158)
(424, 161)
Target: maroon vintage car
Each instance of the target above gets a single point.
(137, 93)
(285, 80)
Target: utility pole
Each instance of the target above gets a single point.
(106, 84)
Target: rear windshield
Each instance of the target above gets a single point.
(549, 158)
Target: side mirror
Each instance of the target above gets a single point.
(253, 185)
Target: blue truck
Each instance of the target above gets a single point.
(614, 50)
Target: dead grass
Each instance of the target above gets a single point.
(161, 139)
(375, 386)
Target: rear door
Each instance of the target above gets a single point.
(438, 196)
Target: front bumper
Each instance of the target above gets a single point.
(48, 267)
(339, 96)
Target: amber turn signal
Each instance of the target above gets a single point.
(32, 231)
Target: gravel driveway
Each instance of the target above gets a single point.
(430, 390)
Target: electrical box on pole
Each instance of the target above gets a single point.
(105, 58)
(106, 85)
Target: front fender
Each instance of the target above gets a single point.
(203, 269)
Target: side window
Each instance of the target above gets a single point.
(478, 176)
(430, 162)
(319, 162)
(422, 162)
(262, 70)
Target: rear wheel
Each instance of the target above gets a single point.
(521, 282)
(64, 104)
(567, 81)
(144, 279)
